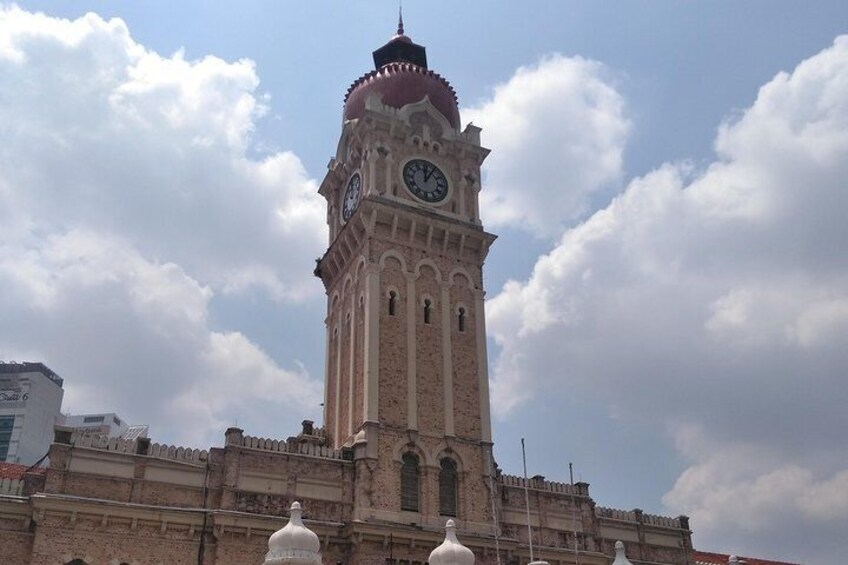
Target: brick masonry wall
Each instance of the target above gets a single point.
(466, 385)
(393, 348)
(103, 535)
(15, 543)
(57, 541)
(428, 339)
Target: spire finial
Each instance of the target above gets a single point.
(400, 18)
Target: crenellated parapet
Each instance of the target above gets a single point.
(637, 516)
(539, 483)
(141, 446)
(295, 447)
(647, 537)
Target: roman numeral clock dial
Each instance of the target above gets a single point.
(425, 180)
(351, 196)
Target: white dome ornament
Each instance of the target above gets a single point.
(451, 552)
(620, 558)
(294, 544)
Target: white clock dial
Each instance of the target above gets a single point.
(425, 180)
(351, 196)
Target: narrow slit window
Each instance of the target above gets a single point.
(460, 318)
(447, 487)
(427, 307)
(392, 302)
(409, 483)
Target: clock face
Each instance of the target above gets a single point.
(425, 180)
(351, 196)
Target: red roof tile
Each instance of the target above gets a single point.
(709, 558)
(16, 471)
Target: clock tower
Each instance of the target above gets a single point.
(406, 385)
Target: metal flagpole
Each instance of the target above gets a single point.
(527, 500)
(573, 514)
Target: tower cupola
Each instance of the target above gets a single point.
(401, 77)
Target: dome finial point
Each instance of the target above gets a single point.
(620, 555)
(451, 552)
(400, 18)
(294, 544)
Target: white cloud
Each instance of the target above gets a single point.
(136, 336)
(559, 131)
(105, 134)
(128, 200)
(746, 487)
(746, 495)
(715, 298)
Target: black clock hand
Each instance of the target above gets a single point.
(430, 174)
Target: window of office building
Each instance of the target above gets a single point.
(7, 423)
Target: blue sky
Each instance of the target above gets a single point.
(668, 295)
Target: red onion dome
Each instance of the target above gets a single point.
(401, 77)
(399, 83)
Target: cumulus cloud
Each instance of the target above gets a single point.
(560, 130)
(751, 495)
(101, 132)
(129, 199)
(715, 298)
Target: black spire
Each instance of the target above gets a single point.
(400, 48)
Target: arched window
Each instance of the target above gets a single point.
(76, 562)
(447, 487)
(392, 302)
(460, 317)
(409, 482)
(427, 307)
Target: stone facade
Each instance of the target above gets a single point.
(120, 501)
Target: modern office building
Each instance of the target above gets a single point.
(107, 424)
(30, 404)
